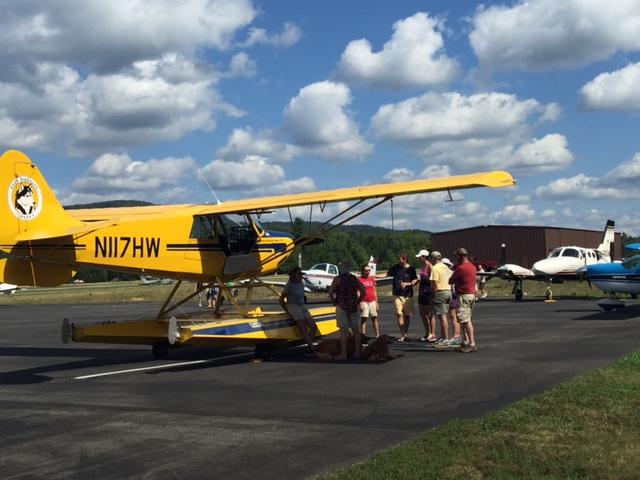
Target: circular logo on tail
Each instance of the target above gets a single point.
(25, 198)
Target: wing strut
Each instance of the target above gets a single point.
(325, 228)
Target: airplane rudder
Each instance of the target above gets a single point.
(26, 198)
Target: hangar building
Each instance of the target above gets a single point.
(524, 244)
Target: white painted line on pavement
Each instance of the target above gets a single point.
(159, 367)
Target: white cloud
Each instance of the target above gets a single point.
(303, 184)
(317, 120)
(627, 172)
(141, 106)
(245, 142)
(241, 66)
(619, 183)
(579, 186)
(619, 90)
(399, 175)
(486, 130)
(290, 35)
(436, 171)
(94, 77)
(546, 34)
(253, 175)
(118, 176)
(414, 57)
(109, 36)
(542, 155)
(252, 172)
(451, 115)
(517, 214)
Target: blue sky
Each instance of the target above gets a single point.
(143, 99)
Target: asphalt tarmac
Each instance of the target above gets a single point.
(293, 417)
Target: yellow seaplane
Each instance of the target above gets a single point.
(43, 244)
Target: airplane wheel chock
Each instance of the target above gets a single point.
(263, 351)
(160, 350)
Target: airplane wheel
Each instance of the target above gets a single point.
(607, 308)
(160, 350)
(519, 296)
(263, 351)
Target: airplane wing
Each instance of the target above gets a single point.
(493, 179)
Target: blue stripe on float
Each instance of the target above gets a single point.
(249, 327)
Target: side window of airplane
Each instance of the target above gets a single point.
(571, 252)
(632, 263)
(555, 253)
(203, 227)
(333, 270)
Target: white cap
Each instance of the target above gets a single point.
(447, 262)
(422, 253)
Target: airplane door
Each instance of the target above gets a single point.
(239, 240)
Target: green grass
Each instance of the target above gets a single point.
(121, 292)
(586, 428)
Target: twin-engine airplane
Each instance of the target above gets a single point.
(562, 263)
(45, 245)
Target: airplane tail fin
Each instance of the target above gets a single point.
(373, 265)
(29, 210)
(29, 214)
(609, 237)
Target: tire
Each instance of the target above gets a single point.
(160, 350)
(264, 351)
(519, 296)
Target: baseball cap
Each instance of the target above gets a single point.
(436, 254)
(462, 252)
(447, 262)
(423, 253)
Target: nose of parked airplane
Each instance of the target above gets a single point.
(549, 266)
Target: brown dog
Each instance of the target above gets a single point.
(376, 350)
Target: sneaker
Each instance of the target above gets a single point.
(456, 341)
(469, 348)
(444, 343)
(432, 338)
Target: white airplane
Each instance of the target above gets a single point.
(149, 280)
(7, 288)
(565, 261)
(320, 276)
(562, 263)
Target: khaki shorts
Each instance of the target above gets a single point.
(348, 320)
(404, 306)
(466, 302)
(441, 301)
(298, 312)
(368, 309)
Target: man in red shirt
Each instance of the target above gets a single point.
(464, 280)
(369, 303)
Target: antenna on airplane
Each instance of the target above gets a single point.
(218, 202)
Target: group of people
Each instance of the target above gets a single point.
(446, 296)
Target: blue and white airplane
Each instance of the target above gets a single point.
(616, 277)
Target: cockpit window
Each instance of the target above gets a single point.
(632, 262)
(555, 253)
(333, 270)
(571, 252)
(203, 227)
